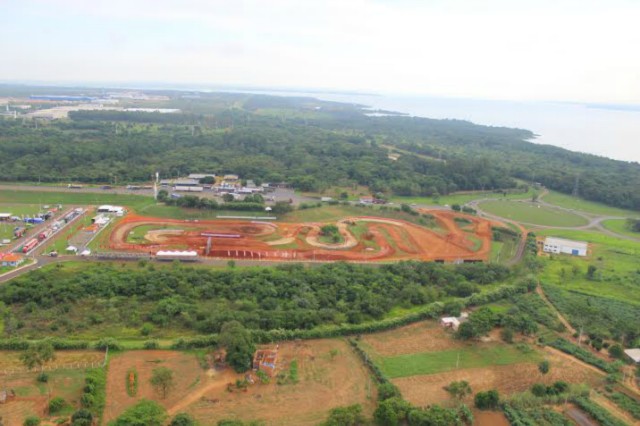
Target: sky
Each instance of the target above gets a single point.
(560, 50)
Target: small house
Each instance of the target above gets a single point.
(265, 360)
(231, 178)
(11, 259)
(450, 322)
(5, 216)
(633, 354)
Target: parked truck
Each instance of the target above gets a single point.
(29, 245)
(19, 231)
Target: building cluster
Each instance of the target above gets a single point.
(225, 184)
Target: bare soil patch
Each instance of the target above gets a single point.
(324, 383)
(187, 374)
(426, 336)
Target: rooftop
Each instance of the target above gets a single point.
(634, 354)
(553, 241)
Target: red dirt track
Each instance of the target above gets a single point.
(386, 239)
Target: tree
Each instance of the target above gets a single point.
(539, 389)
(345, 416)
(616, 351)
(387, 390)
(239, 345)
(227, 198)
(182, 419)
(591, 271)
(31, 421)
(459, 390)
(488, 400)
(392, 411)
(82, 417)
(144, 413)
(56, 404)
(544, 367)
(162, 380)
(38, 354)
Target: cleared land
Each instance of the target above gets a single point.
(373, 238)
(532, 213)
(324, 383)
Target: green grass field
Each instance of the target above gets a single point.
(80, 198)
(616, 261)
(619, 226)
(462, 198)
(476, 356)
(570, 202)
(532, 213)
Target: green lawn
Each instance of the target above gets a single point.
(81, 198)
(471, 357)
(502, 251)
(532, 213)
(619, 226)
(616, 261)
(575, 203)
(462, 198)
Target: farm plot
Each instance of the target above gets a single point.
(31, 397)
(325, 382)
(421, 359)
(532, 213)
(187, 373)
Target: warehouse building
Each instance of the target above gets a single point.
(562, 246)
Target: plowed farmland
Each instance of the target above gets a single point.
(381, 239)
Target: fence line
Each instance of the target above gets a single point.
(55, 367)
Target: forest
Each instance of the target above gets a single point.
(310, 144)
(65, 300)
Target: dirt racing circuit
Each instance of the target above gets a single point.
(364, 238)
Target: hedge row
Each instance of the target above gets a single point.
(583, 355)
(625, 402)
(18, 344)
(602, 416)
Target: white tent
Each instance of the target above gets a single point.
(73, 249)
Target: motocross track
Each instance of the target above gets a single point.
(383, 239)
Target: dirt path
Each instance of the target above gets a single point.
(580, 418)
(562, 319)
(574, 359)
(196, 395)
(613, 409)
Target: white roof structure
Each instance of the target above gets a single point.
(5, 215)
(177, 253)
(72, 248)
(570, 244)
(201, 175)
(634, 354)
(450, 320)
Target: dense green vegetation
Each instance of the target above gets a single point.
(103, 298)
(602, 416)
(291, 139)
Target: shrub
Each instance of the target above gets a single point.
(108, 342)
(42, 377)
(182, 419)
(56, 404)
(488, 400)
(31, 421)
(151, 344)
(82, 417)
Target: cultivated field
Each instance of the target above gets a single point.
(362, 238)
(532, 213)
(323, 383)
(32, 396)
(421, 359)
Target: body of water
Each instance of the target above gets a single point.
(613, 133)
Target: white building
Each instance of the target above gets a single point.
(634, 354)
(562, 246)
(199, 176)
